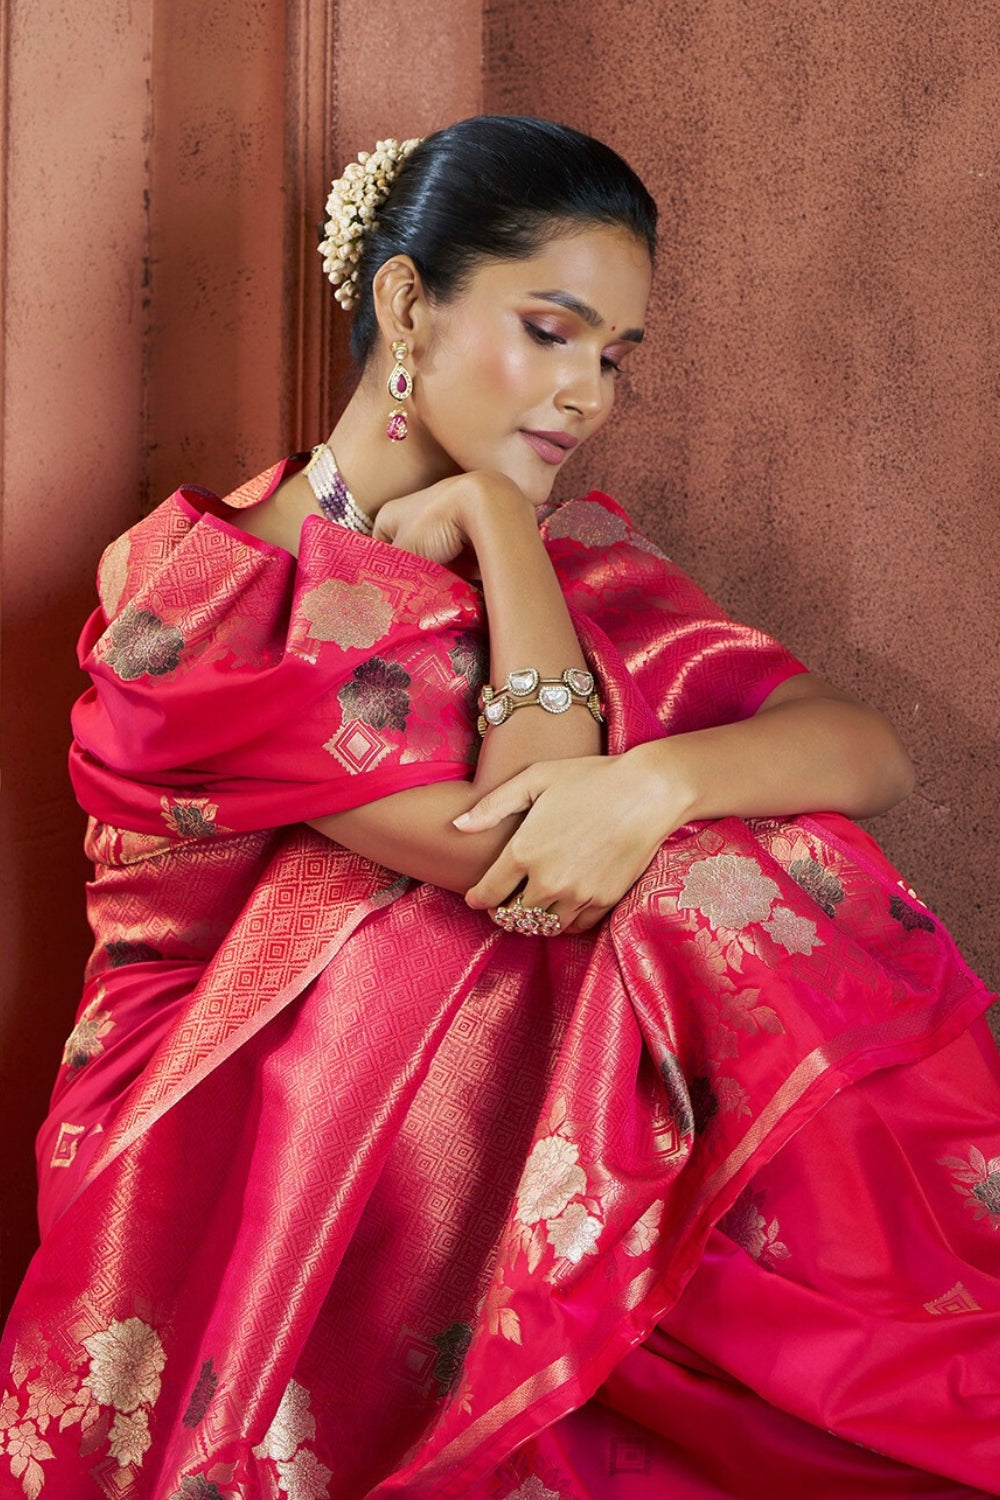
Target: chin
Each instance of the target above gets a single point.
(534, 479)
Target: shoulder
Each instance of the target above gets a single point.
(192, 519)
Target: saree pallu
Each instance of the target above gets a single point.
(347, 1193)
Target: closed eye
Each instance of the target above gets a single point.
(542, 335)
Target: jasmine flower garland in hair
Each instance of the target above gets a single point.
(354, 200)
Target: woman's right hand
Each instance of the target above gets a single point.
(442, 520)
(591, 826)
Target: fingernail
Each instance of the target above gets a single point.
(462, 819)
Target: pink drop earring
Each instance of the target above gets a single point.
(400, 386)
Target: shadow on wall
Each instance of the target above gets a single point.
(45, 934)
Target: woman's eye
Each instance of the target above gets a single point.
(542, 335)
(610, 364)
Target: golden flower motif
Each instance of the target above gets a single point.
(978, 1181)
(84, 1041)
(551, 1178)
(293, 1424)
(349, 614)
(532, 1489)
(305, 1478)
(587, 522)
(574, 1234)
(10, 1410)
(125, 1364)
(112, 574)
(732, 1096)
(129, 1437)
(794, 933)
(50, 1393)
(643, 1234)
(25, 1445)
(731, 890)
(747, 1226)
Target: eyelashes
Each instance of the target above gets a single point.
(547, 339)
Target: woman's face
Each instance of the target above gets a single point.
(520, 368)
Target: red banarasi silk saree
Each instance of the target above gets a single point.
(345, 1192)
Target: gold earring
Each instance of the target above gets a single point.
(400, 386)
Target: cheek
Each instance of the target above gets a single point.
(497, 370)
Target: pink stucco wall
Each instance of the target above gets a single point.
(74, 312)
(811, 428)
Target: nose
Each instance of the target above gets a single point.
(584, 390)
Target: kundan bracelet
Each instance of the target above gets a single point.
(527, 688)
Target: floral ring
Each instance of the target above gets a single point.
(529, 921)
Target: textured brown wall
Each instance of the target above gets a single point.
(74, 314)
(812, 428)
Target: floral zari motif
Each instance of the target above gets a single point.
(300, 1474)
(553, 1217)
(732, 891)
(112, 1401)
(978, 1181)
(85, 1041)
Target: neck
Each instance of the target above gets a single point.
(375, 468)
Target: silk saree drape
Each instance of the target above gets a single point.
(344, 1191)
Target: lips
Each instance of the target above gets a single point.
(551, 447)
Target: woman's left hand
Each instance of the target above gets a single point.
(592, 826)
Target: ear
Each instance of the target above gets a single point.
(399, 300)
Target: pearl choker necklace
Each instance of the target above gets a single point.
(332, 495)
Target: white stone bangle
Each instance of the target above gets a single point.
(527, 688)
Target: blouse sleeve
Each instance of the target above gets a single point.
(235, 688)
(693, 665)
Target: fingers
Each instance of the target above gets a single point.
(386, 525)
(507, 879)
(586, 918)
(514, 796)
(504, 876)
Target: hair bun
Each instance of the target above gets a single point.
(354, 201)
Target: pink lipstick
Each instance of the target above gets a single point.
(551, 447)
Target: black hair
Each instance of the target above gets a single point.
(494, 187)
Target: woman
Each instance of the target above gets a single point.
(353, 1187)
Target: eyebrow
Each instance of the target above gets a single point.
(583, 310)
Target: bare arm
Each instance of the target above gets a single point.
(809, 748)
(595, 822)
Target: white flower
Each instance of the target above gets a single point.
(293, 1424)
(574, 1234)
(305, 1478)
(354, 200)
(731, 890)
(551, 1178)
(129, 1437)
(794, 933)
(125, 1364)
